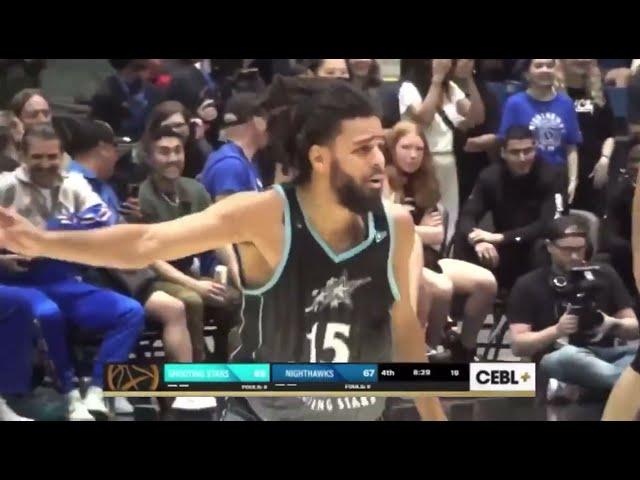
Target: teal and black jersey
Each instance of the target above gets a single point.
(321, 307)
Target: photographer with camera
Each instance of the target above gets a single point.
(568, 315)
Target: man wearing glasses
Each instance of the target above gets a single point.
(569, 320)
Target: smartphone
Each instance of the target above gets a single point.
(133, 190)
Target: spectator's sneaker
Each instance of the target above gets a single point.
(94, 402)
(8, 415)
(560, 392)
(77, 411)
(194, 403)
(121, 406)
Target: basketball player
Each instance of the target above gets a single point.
(324, 266)
(624, 400)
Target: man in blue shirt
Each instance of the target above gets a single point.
(550, 115)
(231, 169)
(95, 156)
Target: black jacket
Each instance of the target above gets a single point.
(114, 104)
(520, 206)
(189, 86)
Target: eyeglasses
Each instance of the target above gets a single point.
(569, 250)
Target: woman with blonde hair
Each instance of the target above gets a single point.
(411, 182)
(581, 79)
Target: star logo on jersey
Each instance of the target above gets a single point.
(380, 236)
(337, 291)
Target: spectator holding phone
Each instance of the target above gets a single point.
(95, 156)
(166, 195)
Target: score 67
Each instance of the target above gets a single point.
(368, 373)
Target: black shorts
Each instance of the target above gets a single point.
(636, 362)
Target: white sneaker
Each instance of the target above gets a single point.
(121, 406)
(8, 415)
(94, 402)
(558, 391)
(77, 412)
(194, 403)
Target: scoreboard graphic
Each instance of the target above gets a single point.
(320, 379)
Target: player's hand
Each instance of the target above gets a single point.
(18, 235)
(600, 173)
(14, 263)
(487, 254)
(567, 325)
(440, 68)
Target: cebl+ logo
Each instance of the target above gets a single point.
(502, 377)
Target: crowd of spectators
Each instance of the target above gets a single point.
(515, 172)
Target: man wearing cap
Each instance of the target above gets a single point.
(568, 321)
(231, 169)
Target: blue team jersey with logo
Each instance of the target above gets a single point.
(554, 122)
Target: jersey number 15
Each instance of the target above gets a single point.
(335, 338)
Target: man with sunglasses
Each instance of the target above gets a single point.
(573, 344)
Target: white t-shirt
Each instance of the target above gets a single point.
(439, 135)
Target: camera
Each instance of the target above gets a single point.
(578, 291)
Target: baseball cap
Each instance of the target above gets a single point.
(241, 108)
(87, 134)
(567, 226)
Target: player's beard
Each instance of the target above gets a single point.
(358, 199)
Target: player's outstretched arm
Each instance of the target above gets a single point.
(135, 246)
(408, 340)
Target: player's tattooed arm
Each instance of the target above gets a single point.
(408, 343)
(243, 218)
